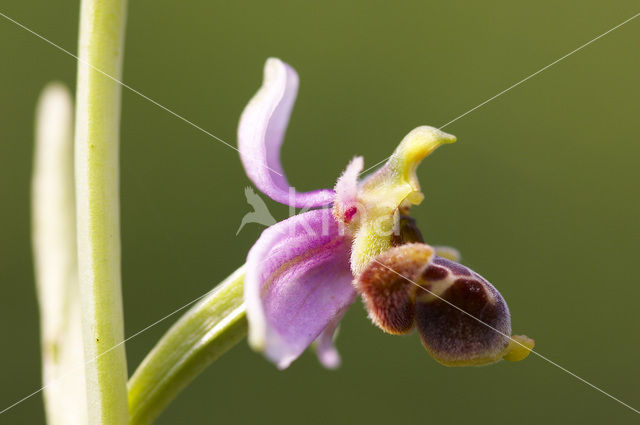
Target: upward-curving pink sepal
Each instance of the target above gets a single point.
(261, 132)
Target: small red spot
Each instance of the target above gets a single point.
(348, 215)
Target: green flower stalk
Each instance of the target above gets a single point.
(98, 216)
(211, 327)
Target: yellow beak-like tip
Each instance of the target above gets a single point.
(519, 348)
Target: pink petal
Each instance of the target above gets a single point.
(346, 201)
(298, 282)
(325, 348)
(261, 132)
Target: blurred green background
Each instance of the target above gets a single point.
(540, 192)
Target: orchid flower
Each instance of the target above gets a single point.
(303, 273)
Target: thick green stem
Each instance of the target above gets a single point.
(56, 260)
(97, 204)
(211, 327)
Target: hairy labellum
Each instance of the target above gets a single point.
(468, 322)
(461, 318)
(389, 297)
